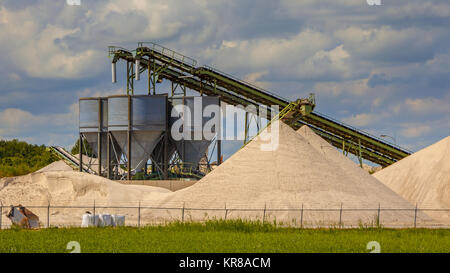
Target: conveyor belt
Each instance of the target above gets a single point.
(68, 157)
(206, 80)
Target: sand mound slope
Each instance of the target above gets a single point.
(293, 174)
(348, 168)
(71, 187)
(56, 166)
(75, 189)
(423, 178)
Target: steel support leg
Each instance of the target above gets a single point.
(99, 152)
(80, 146)
(99, 137)
(219, 152)
(129, 140)
(166, 145)
(360, 153)
(166, 157)
(219, 138)
(246, 125)
(108, 157)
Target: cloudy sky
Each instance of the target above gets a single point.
(384, 69)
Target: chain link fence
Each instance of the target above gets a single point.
(305, 216)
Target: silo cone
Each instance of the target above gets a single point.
(191, 151)
(142, 144)
(145, 117)
(158, 152)
(194, 150)
(116, 153)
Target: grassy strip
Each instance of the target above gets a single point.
(224, 236)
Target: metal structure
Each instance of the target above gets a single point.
(137, 124)
(135, 217)
(93, 116)
(127, 131)
(70, 159)
(161, 63)
(290, 114)
(191, 149)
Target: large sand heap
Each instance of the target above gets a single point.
(56, 166)
(71, 188)
(423, 178)
(348, 167)
(298, 172)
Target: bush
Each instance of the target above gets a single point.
(19, 158)
(86, 151)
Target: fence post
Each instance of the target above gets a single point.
(139, 214)
(264, 215)
(301, 218)
(1, 214)
(182, 213)
(94, 215)
(340, 217)
(378, 215)
(415, 217)
(48, 214)
(226, 211)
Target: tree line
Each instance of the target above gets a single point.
(20, 158)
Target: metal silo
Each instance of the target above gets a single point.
(137, 124)
(193, 149)
(93, 117)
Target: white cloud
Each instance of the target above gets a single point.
(415, 130)
(354, 87)
(94, 92)
(43, 52)
(253, 79)
(49, 40)
(309, 55)
(387, 44)
(17, 123)
(428, 105)
(361, 120)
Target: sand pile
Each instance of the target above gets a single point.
(423, 178)
(348, 168)
(300, 171)
(71, 188)
(56, 166)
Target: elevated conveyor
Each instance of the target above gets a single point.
(70, 159)
(163, 63)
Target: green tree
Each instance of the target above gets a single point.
(87, 150)
(20, 158)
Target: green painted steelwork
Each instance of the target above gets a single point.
(284, 115)
(177, 68)
(352, 134)
(353, 148)
(247, 91)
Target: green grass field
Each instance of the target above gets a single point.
(221, 236)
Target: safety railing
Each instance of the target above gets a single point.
(245, 83)
(362, 132)
(169, 53)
